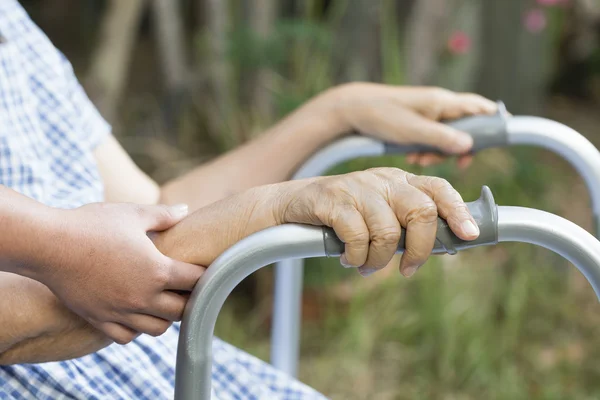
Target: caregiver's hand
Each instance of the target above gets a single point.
(366, 210)
(105, 268)
(409, 115)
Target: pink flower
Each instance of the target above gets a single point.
(535, 20)
(459, 43)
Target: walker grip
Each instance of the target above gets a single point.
(486, 130)
(484, 210)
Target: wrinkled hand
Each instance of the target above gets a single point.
(105, 268)
(410, 115)
(367, 209)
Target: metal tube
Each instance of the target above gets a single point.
(521, 130)
(289, 274)
(568, 144)
(519, 224)
(194, 352)
(194, 358)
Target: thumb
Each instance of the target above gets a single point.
(162, 217)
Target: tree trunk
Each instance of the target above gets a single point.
(171, 43)
(219, 72)
(357, 46)
(262, 18)
(110, 62)
(424, 39)
(515, 62)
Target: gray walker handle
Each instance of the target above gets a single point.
(511, 224)
(483, 210)
(486, 131)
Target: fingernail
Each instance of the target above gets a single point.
(180, 210)
(409, 271)
(463, 142)
(366, 271)
(470, 228)
(345, 263)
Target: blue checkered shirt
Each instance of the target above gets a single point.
(48, 129)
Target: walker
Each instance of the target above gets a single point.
(295, 241)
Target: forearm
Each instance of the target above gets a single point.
(29, 229)
(272, 157)
(205, 234)
(34, 325)
(37, 327)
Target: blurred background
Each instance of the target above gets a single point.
(182, 81)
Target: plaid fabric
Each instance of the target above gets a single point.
(48, 128)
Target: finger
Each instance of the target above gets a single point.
(183, 276)
(118, 333)
(477, 104)
(169, 306)
(428, 159)
(404, 126)
(161, 217)
(418, 213)
(459, 105)
(148, 324)
(415, 211)
(384, 230)
(350, 227)
(464, 162)
(412, 158)
(435, 134)
(449, 203)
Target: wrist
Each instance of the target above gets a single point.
(36, 235)
(316, 123)
(209, 231)
(331, 106)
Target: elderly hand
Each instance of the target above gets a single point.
(408, 115)
(366, 210)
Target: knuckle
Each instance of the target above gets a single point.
(387, 236)
(352, 86)
(356, 238)
(458, 211)
(161, 274)
(439, 184)
(137, 303)
(426, 212)
(391, 174)
(473, 97)
(438, 94)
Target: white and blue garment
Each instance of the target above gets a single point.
(48, 129)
